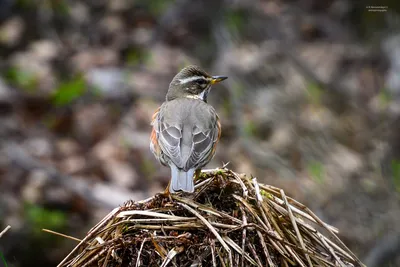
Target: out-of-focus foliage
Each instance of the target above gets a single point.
(316, 170)
(69, 91)
(21, 79)
(39, 218)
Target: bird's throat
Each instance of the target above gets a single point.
(202, 96)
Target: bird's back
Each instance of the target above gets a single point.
(189, 111)
(195, 122)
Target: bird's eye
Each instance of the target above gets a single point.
(201, 81)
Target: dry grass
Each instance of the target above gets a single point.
(230, 220)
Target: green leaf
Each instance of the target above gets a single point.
(69, 91)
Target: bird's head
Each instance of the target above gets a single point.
(192, 82)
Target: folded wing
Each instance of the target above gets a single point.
(188, 138)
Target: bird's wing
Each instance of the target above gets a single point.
(188, 143)
(167, 130)
(204, 144)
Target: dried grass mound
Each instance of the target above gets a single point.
(230, 220)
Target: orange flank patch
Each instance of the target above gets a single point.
(154, 141)
(155, 115)
(153, 136)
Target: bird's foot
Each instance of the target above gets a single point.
(166, 193)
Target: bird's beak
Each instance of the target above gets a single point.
(217, 79)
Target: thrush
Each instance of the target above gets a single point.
(185, 129)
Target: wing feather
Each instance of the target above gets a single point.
(203, 144)
(188, 143)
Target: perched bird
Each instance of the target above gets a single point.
(186, 129)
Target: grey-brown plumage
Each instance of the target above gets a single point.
(189, 81)
(185, 128)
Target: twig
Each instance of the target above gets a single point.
(107, 257)
(59, 234)
(238, 249)
(171, 254)
(254, 253)
(329, 248)
(296, 229)
(244, 188)
(212, 245)
(244, 218)
(5, 230)
(265, 249)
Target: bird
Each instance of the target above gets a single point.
(185, 128)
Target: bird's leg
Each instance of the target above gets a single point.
(166, 192)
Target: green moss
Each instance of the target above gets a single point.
(266, 194)
(220, 172)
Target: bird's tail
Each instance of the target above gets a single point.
(181, 180)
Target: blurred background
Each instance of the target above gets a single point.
(312, 105)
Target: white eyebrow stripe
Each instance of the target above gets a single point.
(193, 78)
